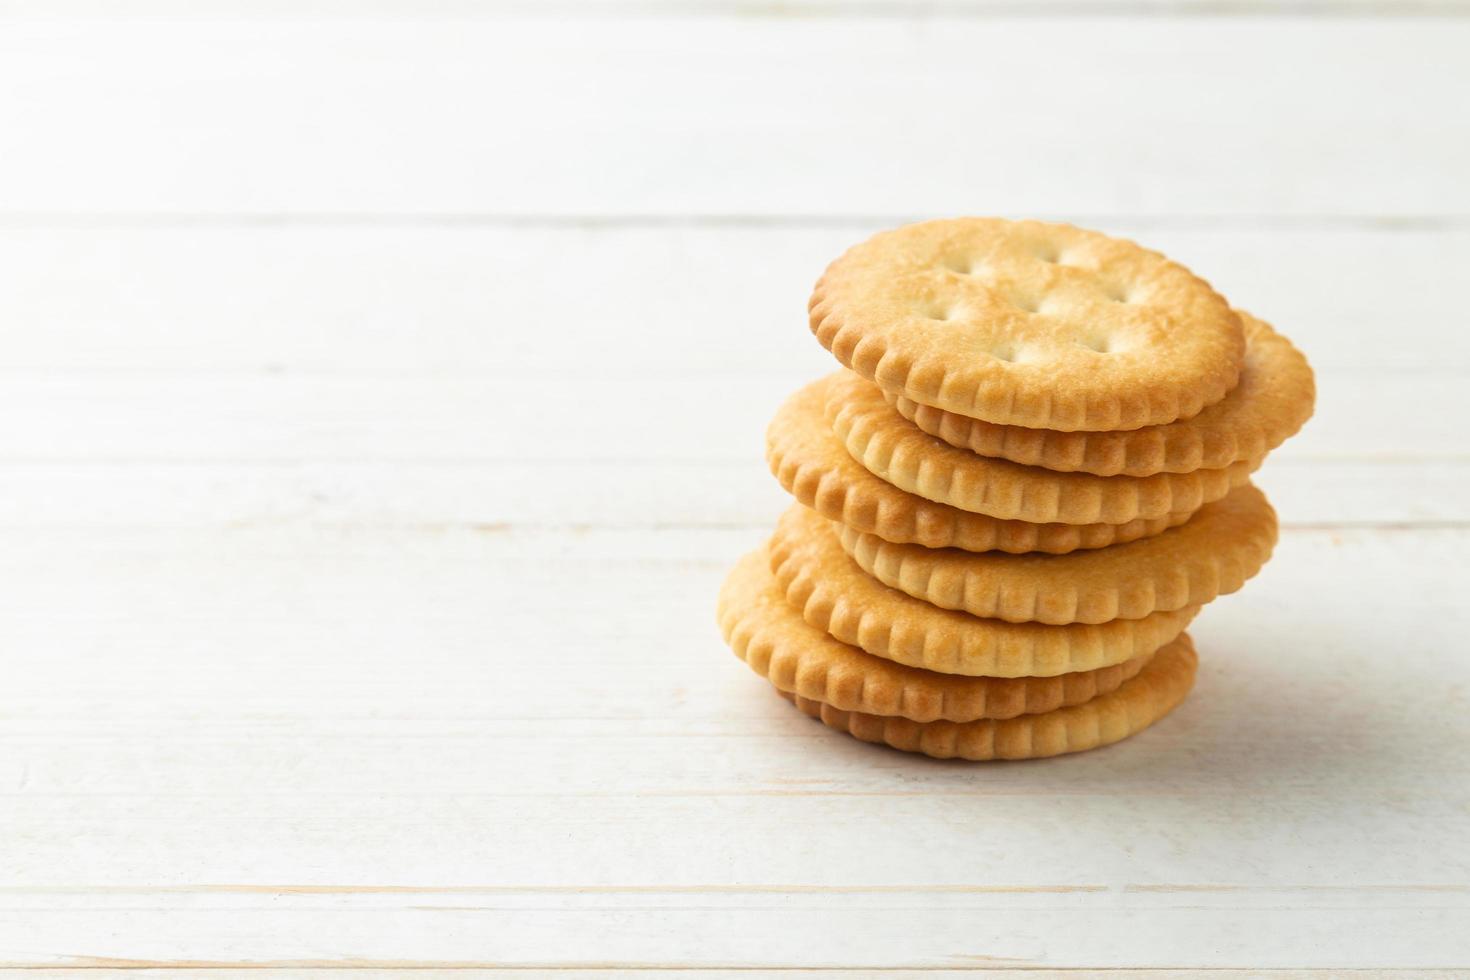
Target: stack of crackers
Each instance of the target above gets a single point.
(1033, 473)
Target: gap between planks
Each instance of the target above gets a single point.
(275, 889)
(784, 10)
(871, 973)
(193, 221)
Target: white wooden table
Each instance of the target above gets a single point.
(383, 393)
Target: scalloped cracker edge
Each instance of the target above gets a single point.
(835, 595)
(1140, 702)
(1210, 555)
(775, 642)
(1273, 400)
(899, 452)
(812, 464)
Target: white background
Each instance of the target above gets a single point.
(382, 404)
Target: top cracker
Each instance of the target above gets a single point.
(1029, 323)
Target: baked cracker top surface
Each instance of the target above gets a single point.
(1029, 323)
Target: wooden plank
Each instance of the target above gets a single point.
(381, 375)
(498, 497)
(734, 115)
(505, 300)
(476, 936)
(789, 9)
(275, 778)
(676, 417)
(743, 973)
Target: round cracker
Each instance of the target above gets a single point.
(772, 638)
(1029, 323)
(834, 594)
(815, 468)
(899, 452)
(1271, 403)
(1210, 555)
(1159, 688)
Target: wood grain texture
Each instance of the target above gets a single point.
(383, 390)
(500, 800)
(106, 968)
(382, 375)
(732, 116)
(792, 9)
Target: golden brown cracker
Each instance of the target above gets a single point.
(1029, 323)
(1157, 689)
(834, 594)
(773, 639)
(815, 468)
(1271, 403)
(899, 452)
(1210, 555)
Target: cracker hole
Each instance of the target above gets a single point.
(1118, 294)
(1047, 252)
(1100, 345)
(964, 266)
(1003, 354)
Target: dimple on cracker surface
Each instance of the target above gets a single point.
(1210, 555)
(1271, 403)
(833, 594)
(899, 452)
(1141, 701)
(1029, 323)
(763, 629)
(814, 466)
